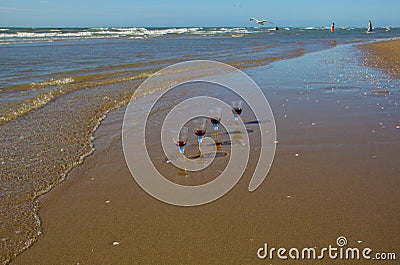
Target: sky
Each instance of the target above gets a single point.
(177, 13)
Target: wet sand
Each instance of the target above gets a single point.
(385, 55)
(335, 174)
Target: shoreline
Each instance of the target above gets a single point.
(79, 181)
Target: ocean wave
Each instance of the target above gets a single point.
(62, 86)
(28, 35)
(132, 32)
(29, 104)
(224, 31)
(54, 82)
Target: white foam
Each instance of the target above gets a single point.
(131, 33)
(98, 28)
(54, 82)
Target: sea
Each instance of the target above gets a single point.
(58, 84)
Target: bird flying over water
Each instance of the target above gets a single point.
(261, 22)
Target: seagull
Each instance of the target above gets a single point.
(261, 22)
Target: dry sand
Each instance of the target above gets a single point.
(343, 182)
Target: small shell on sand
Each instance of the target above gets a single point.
(116, 243)
(296, 155)
(107, 201)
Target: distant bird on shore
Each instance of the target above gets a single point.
(261, 22)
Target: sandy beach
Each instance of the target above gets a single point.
(335, 174)
(384, 55)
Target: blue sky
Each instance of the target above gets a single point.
(91, 13)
